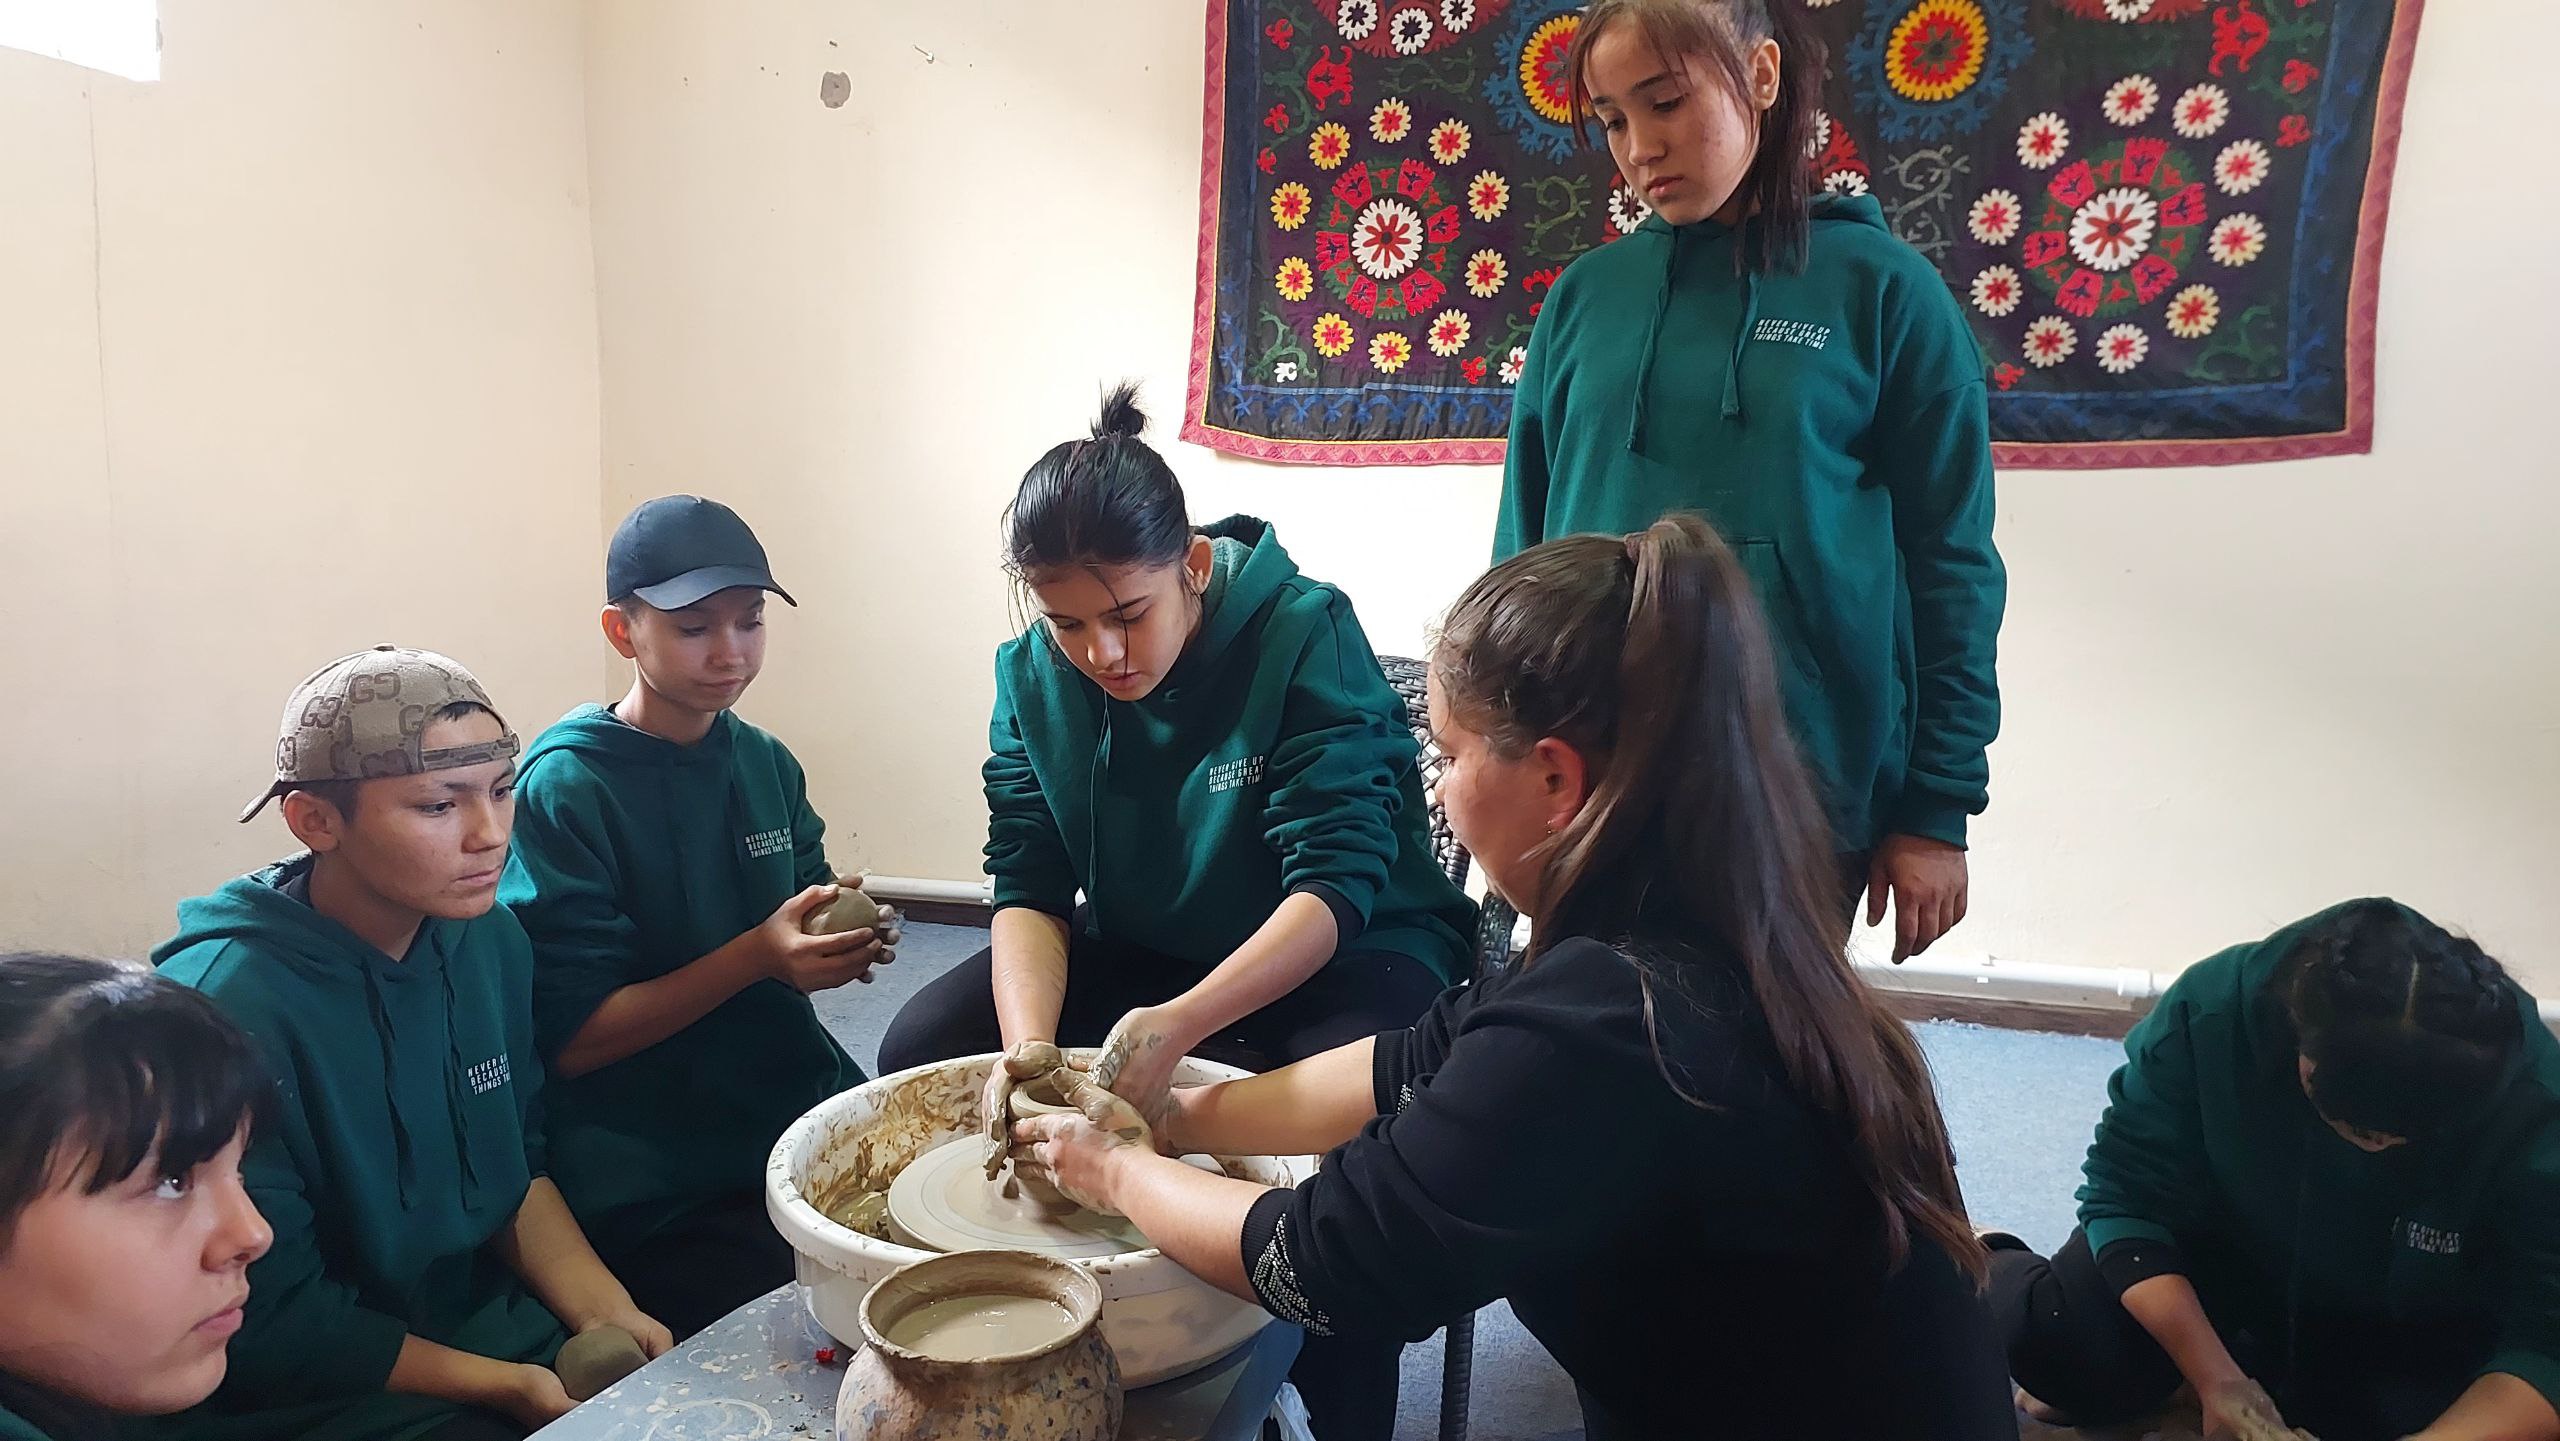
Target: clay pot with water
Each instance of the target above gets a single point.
(982, 1343)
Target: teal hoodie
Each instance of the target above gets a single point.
(1274, 758)
(408, 1128)
(1832, 425)
(2208, 1145)
(634, 857)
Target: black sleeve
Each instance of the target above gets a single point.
(1405, 1060)
(1535, 1128)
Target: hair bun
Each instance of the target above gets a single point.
(1121, 419)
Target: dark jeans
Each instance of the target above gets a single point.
(476, 1425)
(1349, 1385)
(2073, 1346)
(691, 1275)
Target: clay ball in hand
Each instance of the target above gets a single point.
(851, 910)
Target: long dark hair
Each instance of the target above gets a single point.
(2405, 1024)
(106, 1067)
(1649, 655)
(1108, 499)
(1777, 191)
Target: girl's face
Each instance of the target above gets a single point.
(1681, 137)
(1124, 626)
(1505, 811)
(126, 1299)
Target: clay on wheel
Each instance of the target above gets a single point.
(592, 1360)
(851, 910)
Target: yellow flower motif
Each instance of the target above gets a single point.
(1486, 270)
(1542, 77)
(1389, 352)
(1296, 280)
(1937, 50)
(1488, 195)
(1333, 335)
(1450, 332)
(1450, 141)
(1290, 206)
(1329, 146)
(1391, 121)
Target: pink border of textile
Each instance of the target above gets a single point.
(2364, 291)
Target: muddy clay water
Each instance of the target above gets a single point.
(974, 1328)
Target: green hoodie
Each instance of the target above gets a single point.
(1273, 758)
(14, 1427)
(408, 1128)
(634, 857)
(1832, 425)
(2210, 1149)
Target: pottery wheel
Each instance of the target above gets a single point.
(943, 1201)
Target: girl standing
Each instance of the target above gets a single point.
(1782, 364)
(1687, 1144)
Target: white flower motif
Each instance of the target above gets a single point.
(2194, 312)
(2050, 342)
(2201, 111)
(1625, 211)
(1512, 364)
(2043, 141)
(1997, 216)
(2113, 230)
(2122, 348)
(2242, 167)
(2125, 12)
(1387, 238)
(2239, 239)
(1820, 140)
(2131, 100)
(1409, 31)
(1845, 182)
(1457, 15)
(1284, 371)
(1997, 291)
(1356, 19)
(1820, 4)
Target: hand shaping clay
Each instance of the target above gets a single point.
(851, 910)
(592, 1360)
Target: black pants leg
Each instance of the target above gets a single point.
(955, 1013)
(2071, 1343)
(692, 1275)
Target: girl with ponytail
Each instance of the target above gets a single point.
(2325, 1193)
(1698, 1157)
(1773, 357)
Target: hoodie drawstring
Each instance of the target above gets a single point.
(454, 1097)
(1741, 339)
(400, 1145)
(1652, 339)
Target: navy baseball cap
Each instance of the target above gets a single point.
(673, 551)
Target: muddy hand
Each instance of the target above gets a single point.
(1074, 1153)
(1138, 1060)
(1027, 1061)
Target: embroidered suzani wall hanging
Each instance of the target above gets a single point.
(2164, 217)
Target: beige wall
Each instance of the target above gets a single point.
(297, 354)
(2233, 695)
(327, 318)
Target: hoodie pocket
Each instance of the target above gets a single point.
(1800, 677)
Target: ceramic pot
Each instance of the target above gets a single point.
(1063, 1384)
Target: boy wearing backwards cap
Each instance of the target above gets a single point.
(665, 859)
(423, 1263)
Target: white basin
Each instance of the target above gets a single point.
(1161, 1320)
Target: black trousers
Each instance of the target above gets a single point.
(2073, 1346)
(477, 1425)
(1349, 1385)
(716, 1261)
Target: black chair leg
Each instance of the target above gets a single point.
(1457, 1377)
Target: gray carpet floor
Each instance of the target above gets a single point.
(2021, 1107)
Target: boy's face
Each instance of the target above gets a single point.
(702, 657)
(431, 843)
(128, 1298)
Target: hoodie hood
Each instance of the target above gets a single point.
(1704, 254)
(594, 730)
(323, 959)
(1248, 570)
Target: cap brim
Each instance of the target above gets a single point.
(693, 585)
(264, 796)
